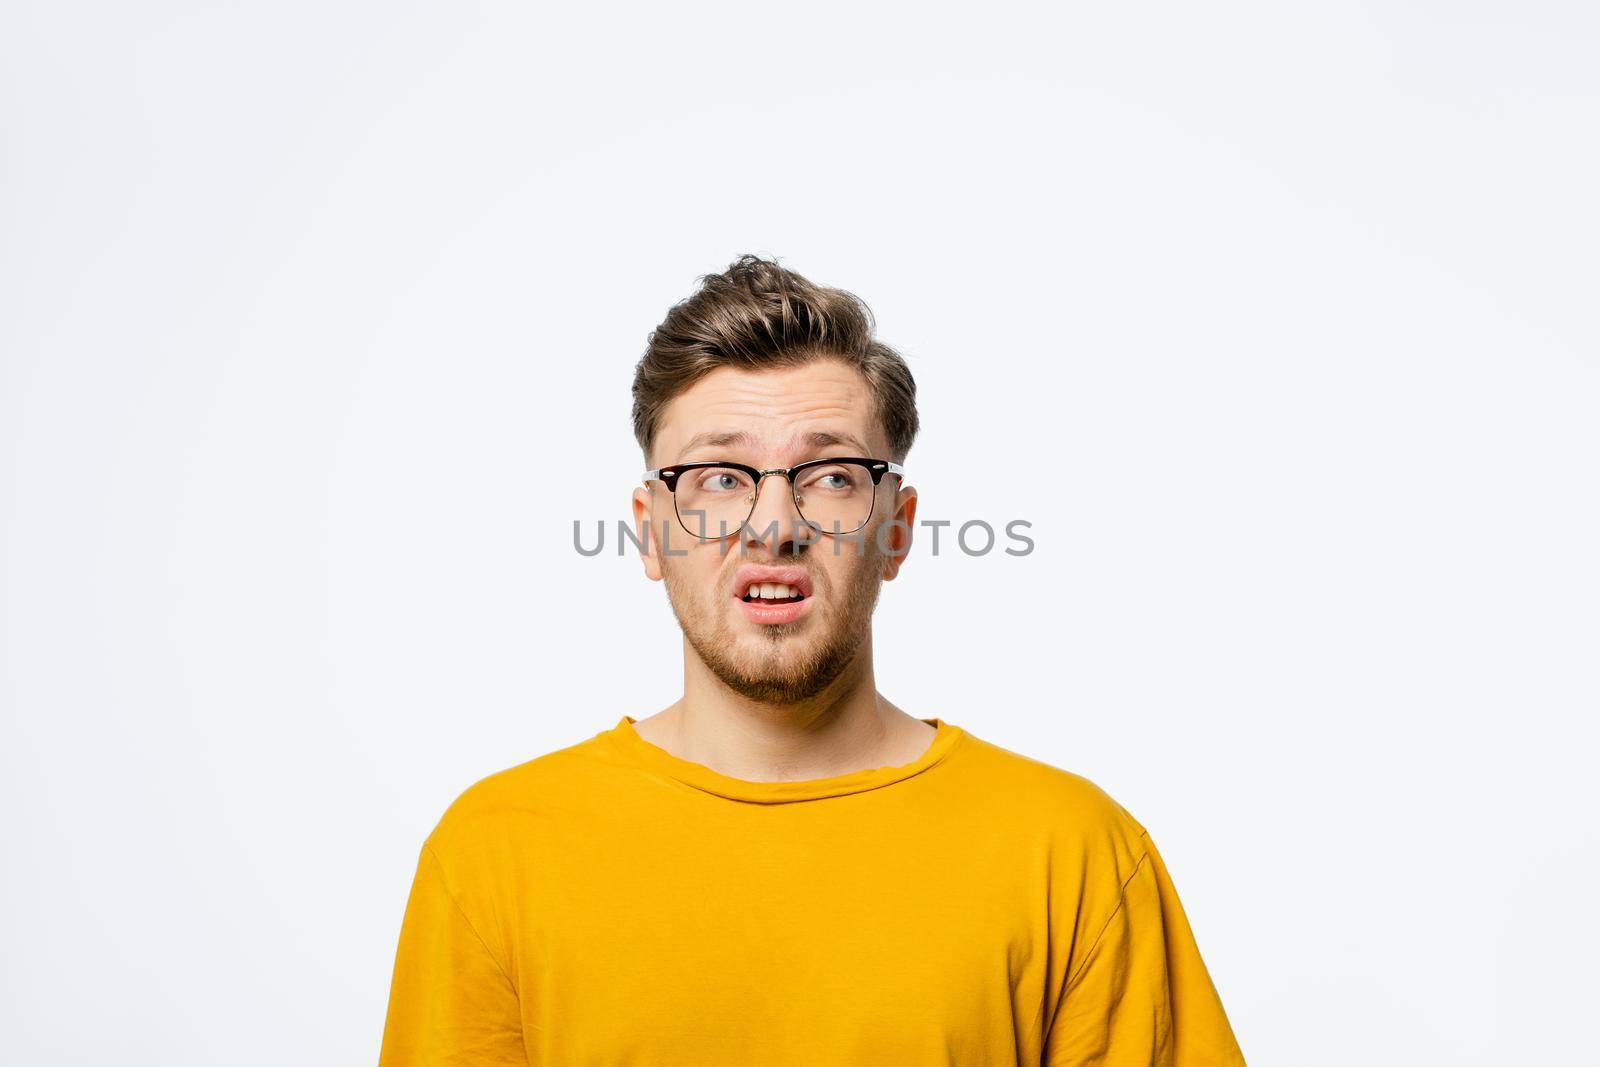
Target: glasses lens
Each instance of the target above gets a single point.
(835, 497)
(713, 501)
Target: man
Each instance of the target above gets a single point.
(782, 868)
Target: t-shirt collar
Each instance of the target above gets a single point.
(654, 758)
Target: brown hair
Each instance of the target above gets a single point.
(757, 315)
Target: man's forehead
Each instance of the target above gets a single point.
(785, 413)
(729, 441)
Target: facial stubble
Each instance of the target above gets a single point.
(789, 668)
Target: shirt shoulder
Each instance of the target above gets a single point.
(1081, 823)
(508, 804)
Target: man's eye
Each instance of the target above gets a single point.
(835, 480)
(721, 482)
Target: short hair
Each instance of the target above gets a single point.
(757, 315)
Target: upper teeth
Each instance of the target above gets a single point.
(772, 591)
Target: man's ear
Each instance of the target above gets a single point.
(643, 517)
(897, 536)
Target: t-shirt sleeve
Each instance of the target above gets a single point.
(1141, 994)
(451, 1002)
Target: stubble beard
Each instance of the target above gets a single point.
(785, 668)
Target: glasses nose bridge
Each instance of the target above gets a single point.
(761, 478)
(792, 511)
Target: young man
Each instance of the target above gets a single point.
(782, 868)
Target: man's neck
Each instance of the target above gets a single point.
(847, 727)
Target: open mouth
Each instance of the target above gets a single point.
(772, 593)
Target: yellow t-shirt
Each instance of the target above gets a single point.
(610, 904)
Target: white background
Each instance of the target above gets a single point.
(1277, 322)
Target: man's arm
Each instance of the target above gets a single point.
(1142, 995)
(451, 1001)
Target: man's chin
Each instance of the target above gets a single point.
(773, 688)
(756, 658)
(781, 668)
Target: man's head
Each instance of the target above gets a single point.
(764, 369)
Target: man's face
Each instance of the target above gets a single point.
(774, 419)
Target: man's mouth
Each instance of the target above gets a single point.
(772, 593)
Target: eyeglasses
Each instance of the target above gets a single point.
(834, 495)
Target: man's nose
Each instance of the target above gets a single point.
(775, 522)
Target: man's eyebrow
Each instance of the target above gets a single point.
(718, 439)
(823, 438)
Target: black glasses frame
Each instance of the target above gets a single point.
(876, 469)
